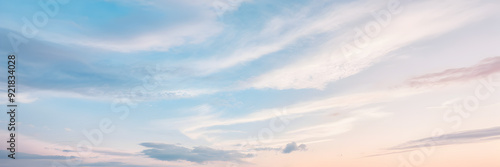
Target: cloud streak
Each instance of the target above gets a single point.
(463, 137)
(327, 63)
(482, 69)
(21, 155)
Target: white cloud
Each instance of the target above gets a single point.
(191, 32)
(418, 21)
(161, 40)
(160, 36)
(284, 30)
(209, 125)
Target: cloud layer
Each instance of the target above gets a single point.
(169, 152)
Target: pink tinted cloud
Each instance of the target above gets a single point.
(482, 69)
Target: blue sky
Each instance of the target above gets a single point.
(254, 83)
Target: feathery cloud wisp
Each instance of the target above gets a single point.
(482, 69)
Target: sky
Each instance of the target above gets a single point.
(247, 83)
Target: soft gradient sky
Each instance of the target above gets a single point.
(282, 83)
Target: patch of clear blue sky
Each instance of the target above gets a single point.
(50, 116)
(120, 19)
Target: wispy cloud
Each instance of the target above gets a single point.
(163, 33)
(470, 136)
(328, 62)
(483, 69)
(354, 106)
(455, 138)
(21, 155)
(159, 40)
(345, 102)
(284, 30)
